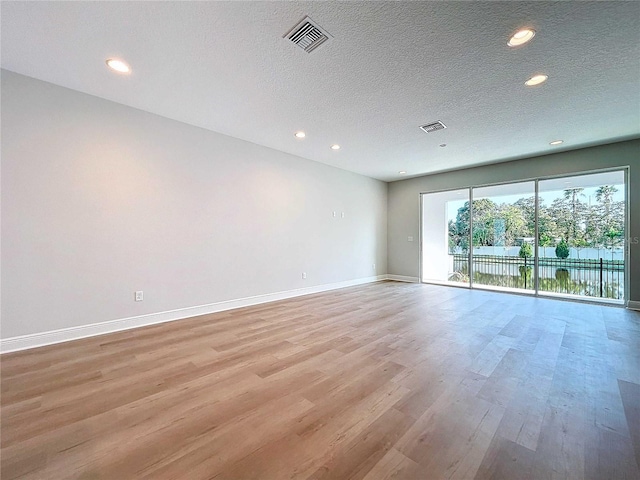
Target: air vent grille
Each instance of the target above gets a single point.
(308, 35)
(432, 127)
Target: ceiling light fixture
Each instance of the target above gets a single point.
(402, 172)
(521, 37)
(118, 65)
(536, 80)
(335, 146)
(300, 134)
(556, 142)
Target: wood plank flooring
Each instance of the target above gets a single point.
(382, 381)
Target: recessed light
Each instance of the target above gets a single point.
(556, 142)
(521, 37)
(443, 144)
(300, 134)
(335, 146)
(118, 65)
(402, 172)
(536, 80)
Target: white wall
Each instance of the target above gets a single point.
(434, 240)
(404, 198)
(100, 200)
(437, 264)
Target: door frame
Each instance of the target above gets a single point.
(536, 292)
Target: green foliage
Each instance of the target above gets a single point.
(612, 234)
(613, 237)
(452, 246)
(562, 250)
(545, 240)
(596, 221)
(484, 214)
(563, 276)
(604, 195)
(528, 208)
(525, 251)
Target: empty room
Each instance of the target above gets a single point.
(320, 240)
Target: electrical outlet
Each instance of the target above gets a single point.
(342, 215)
(409, 239)
(374, 266)
(139, 296)
(304, 275)
(334, 214)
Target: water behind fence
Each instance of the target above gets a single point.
(588, 277)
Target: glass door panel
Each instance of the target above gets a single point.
(581, 239)
(445, 237)
(503, 235)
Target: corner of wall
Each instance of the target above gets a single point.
(633, 305)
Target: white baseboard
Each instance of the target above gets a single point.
(403, 278)
(633, 305)
(34, 340)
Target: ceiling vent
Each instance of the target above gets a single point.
(432, 127)
(307, 35)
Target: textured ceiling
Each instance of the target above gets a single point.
(390, 67)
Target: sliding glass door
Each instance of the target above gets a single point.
(581, 223)
(503, 233)
(562, 236)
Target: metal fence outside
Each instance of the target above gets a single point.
(588, 277)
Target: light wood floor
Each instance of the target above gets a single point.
(383, 381)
